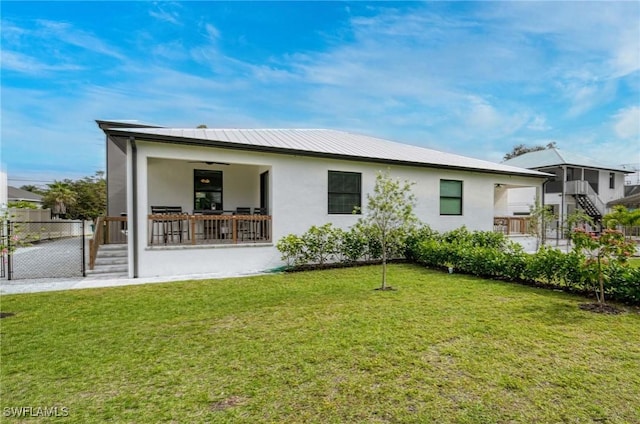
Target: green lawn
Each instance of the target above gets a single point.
(321, 347)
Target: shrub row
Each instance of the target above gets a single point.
(329, 244)
(493, 255)
(482, 253)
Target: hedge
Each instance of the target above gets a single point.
(481, 253)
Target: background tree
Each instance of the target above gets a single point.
(623, 218)
(91, 197)
(85, 198)
(521, 149)
(58, 197)
(390, 216)
(33, 189)
(22, 204)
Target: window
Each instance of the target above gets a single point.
(450, 197)
(612, 180)
(344, 192)
(207, 189)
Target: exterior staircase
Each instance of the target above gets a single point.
(111, 262)
(587, 198)
(589, 207)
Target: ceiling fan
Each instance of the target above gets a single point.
(208, 162)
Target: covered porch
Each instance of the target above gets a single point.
(511, 208)
(194, 202)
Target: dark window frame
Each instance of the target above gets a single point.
(207, 173)
(612, 180)
(333, 208)
(461, 197)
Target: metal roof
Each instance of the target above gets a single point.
(629, 201)
(319, 142)
(18, 194)
(555, 157)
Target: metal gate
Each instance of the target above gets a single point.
(45, 249)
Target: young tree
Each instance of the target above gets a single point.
(541, 218)
(390, 216)
(602, 252)
(576, 219)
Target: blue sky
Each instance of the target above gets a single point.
(473, 78)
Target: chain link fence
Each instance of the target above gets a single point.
(3, 253)
(45, 249)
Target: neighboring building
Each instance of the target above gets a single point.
(631, 199)
(20, 195)
(3, 188)
(578, 183)
(186, 191)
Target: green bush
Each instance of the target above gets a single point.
(321, 244)
(546, 266)
(353, 245)
(624, 284)
(291, 247)
(493, 255)
(481, 253)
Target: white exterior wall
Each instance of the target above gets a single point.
(521, 200)
(608, 194)
(298, 190)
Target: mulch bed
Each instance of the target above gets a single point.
(601, 309)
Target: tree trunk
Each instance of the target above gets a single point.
(384, 269)
(601, 282)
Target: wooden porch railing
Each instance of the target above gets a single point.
(511, 225)
(177, 229)
(108, 230)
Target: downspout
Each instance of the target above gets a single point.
(134, 204)
(544, 193)
(562, 202)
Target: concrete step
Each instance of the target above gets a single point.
(113, 247)
(107, 275)
(111, 253)
(111, 260)
(104, 269)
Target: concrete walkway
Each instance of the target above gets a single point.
(55, 284)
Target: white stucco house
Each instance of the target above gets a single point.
(202, 201)
(577, 182)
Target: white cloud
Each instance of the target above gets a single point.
(538, 123)
(212, 31)
(19, 62)
(627, 124)
(160, 12)
(62, 31)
